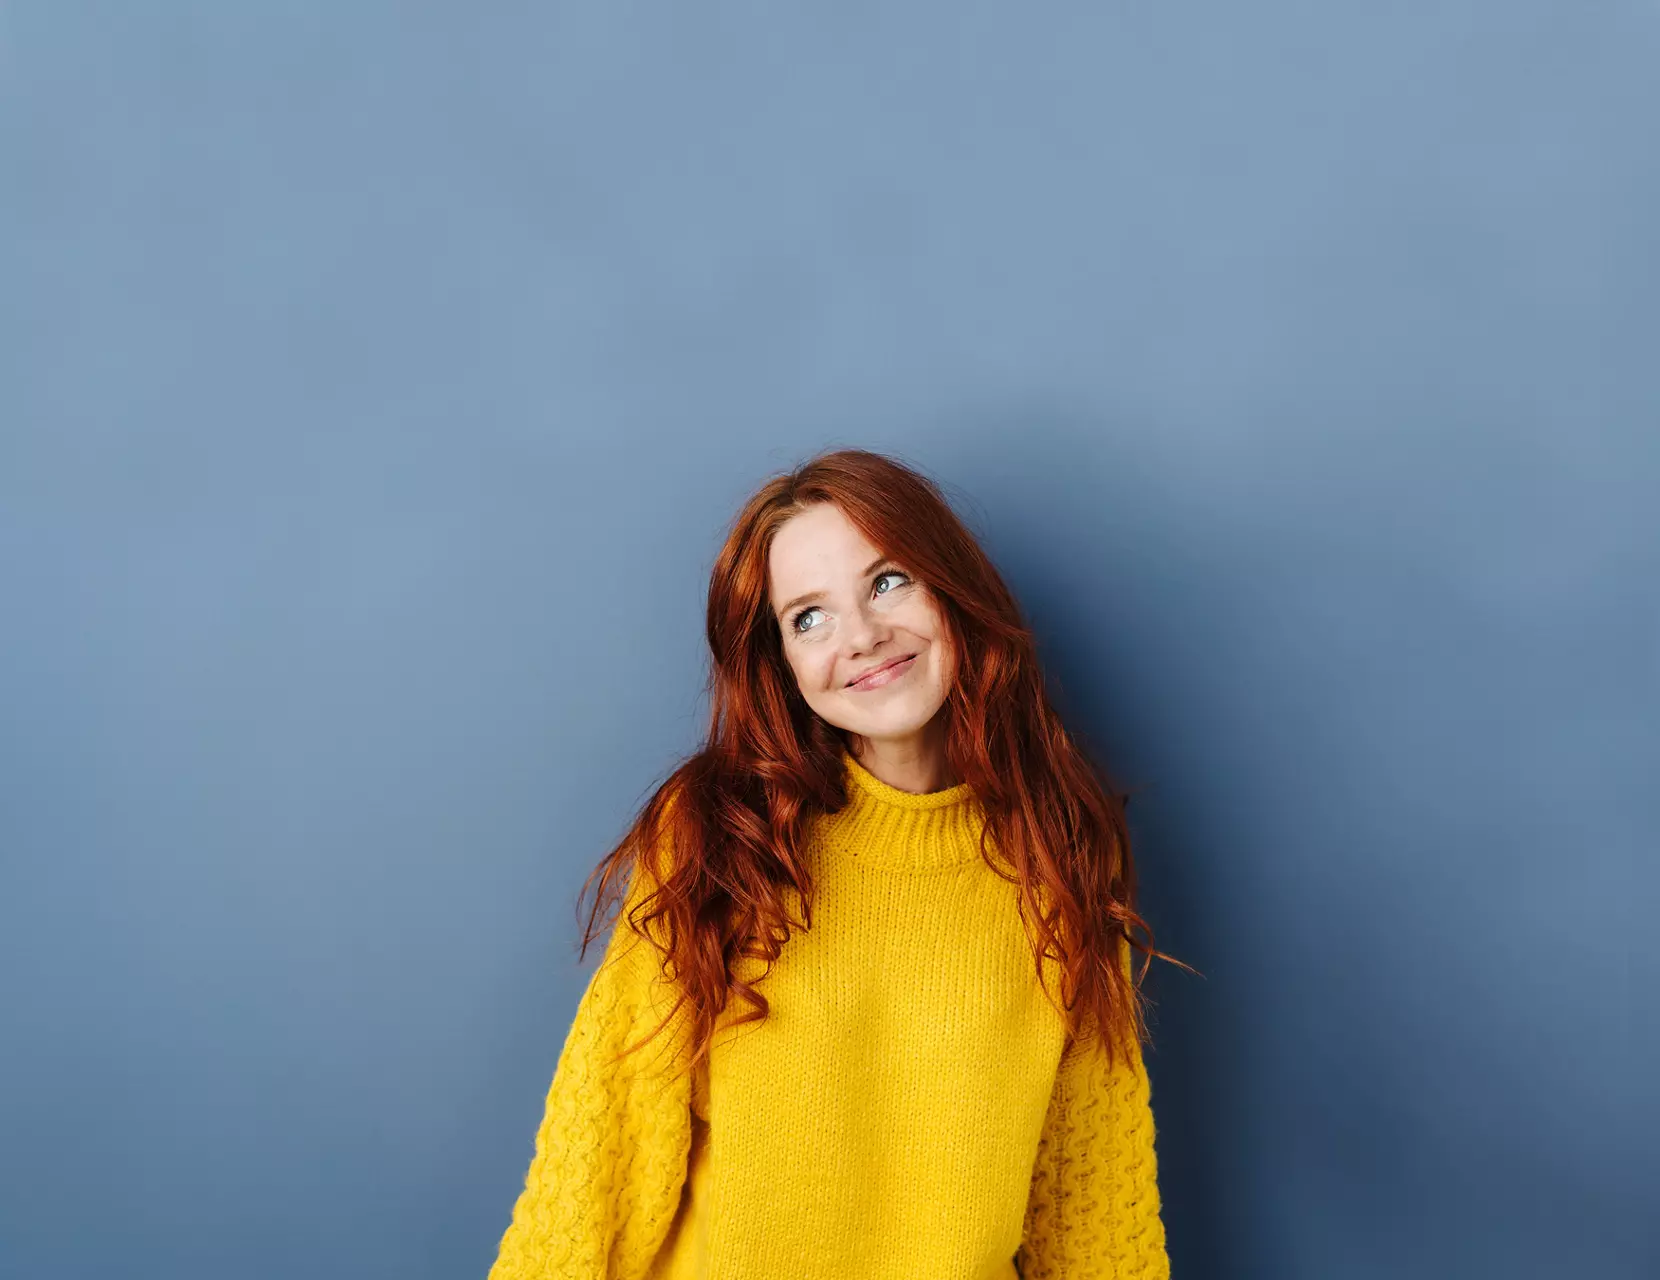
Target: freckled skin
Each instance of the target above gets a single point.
(858, 620)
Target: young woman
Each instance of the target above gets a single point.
(873, 1012)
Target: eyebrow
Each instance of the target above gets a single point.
(814, 595)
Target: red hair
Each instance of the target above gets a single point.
(726, 829)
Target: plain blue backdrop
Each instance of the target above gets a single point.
(376, 382)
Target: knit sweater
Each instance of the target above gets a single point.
(910, 1108)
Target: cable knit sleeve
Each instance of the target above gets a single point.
(1093, 1213)
(612, 1148)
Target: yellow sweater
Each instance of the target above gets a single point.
(905, 1111)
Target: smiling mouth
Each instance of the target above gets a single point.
(883, 675)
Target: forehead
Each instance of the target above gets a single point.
(816, 548)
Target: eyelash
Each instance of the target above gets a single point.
(805, 610)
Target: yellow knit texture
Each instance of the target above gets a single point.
(910, 1110)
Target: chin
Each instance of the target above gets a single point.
(900, 725)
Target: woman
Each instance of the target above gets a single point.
(873, 1012)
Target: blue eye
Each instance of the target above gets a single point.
(795, 619)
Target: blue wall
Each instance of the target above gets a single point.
(376, 381)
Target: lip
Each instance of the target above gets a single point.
(884, 674)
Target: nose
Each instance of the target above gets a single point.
(864, 631)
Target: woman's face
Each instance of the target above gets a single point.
(843, 611)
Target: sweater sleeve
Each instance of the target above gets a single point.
(1093, 1212)
(611, 1151)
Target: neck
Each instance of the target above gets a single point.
(916, 764)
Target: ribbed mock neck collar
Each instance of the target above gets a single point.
(883, 826)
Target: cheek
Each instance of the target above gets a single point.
(812, 669)
(945, 660)
(945, 666)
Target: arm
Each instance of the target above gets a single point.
(611, 1151)
(1094, 1207)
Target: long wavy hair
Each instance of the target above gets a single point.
(722, 837)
